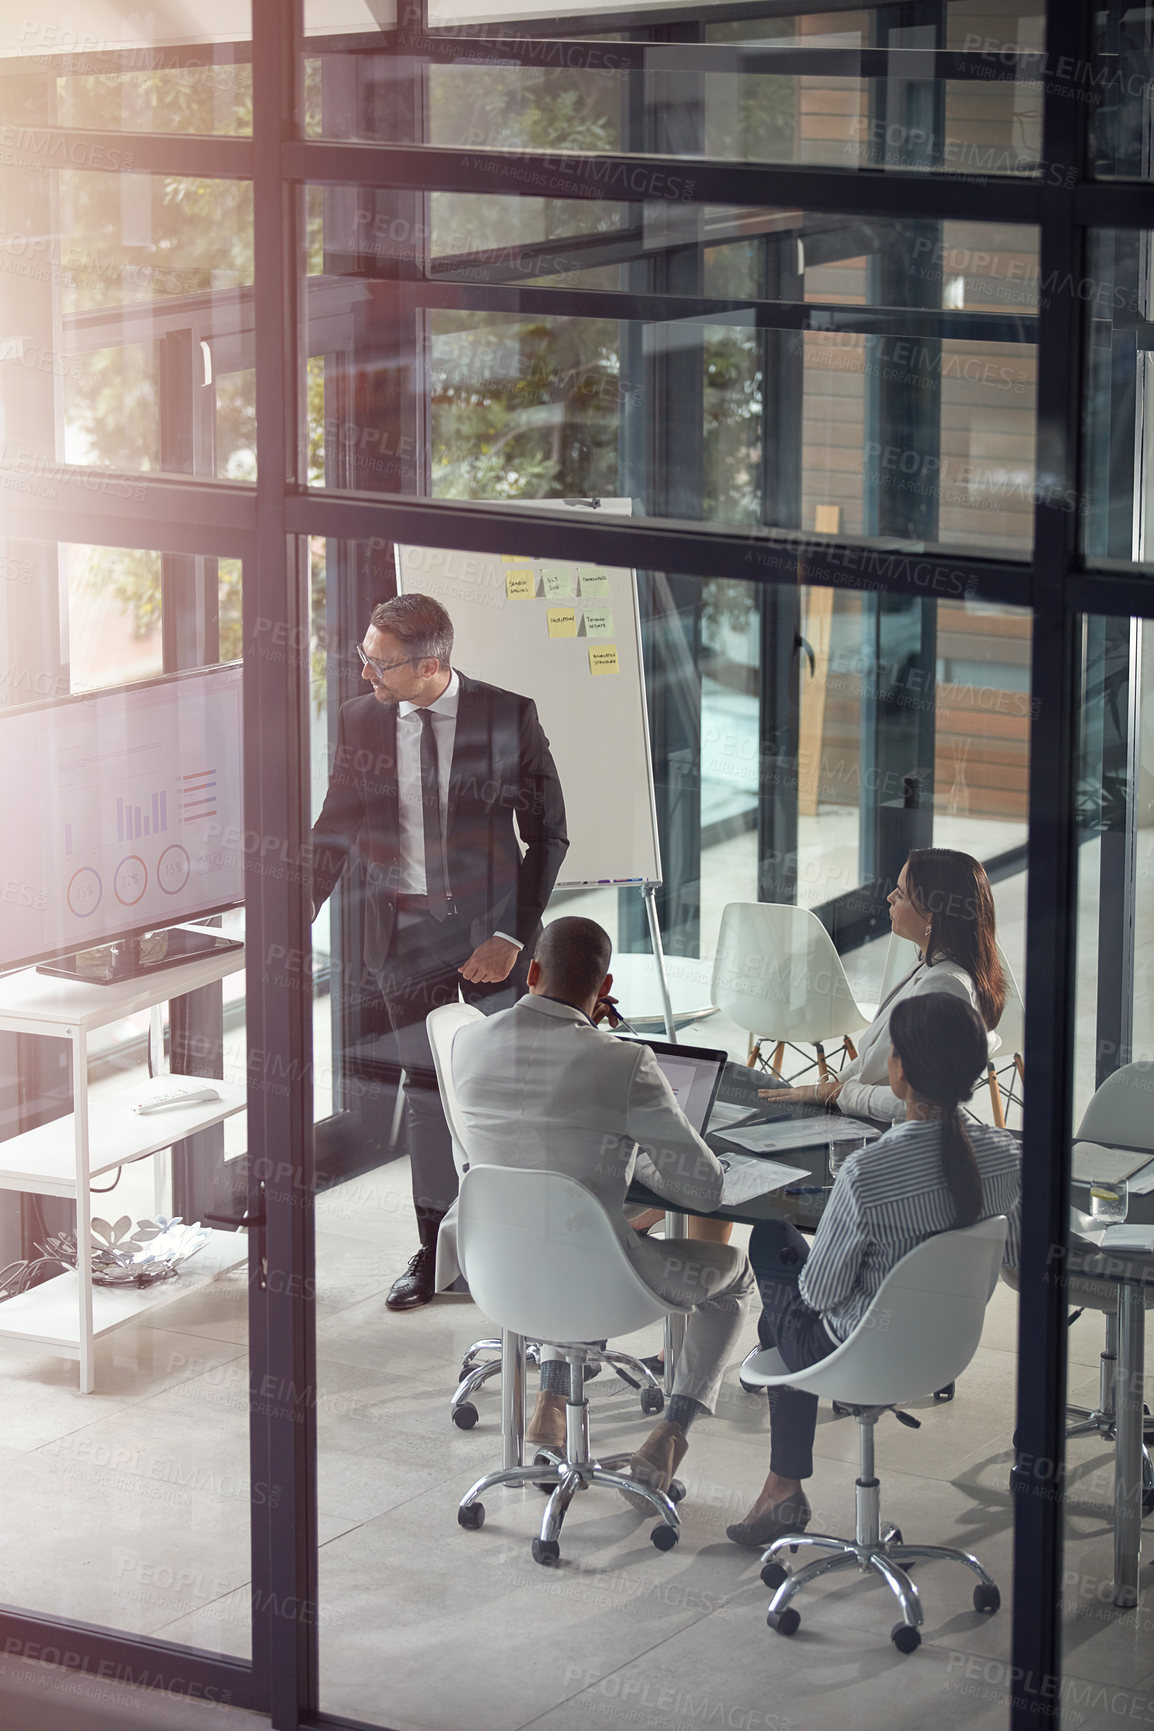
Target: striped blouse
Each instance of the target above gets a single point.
(888, 1198)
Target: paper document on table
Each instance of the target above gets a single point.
(1092, 1161)
(727, 1114)
(801, 1133)
(746, 1177)
(1129, 1237)
(1141, 1183)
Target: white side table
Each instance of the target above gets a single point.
(67, 1313)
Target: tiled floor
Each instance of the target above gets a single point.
(128, 1508)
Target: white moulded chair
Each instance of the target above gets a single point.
(443, 1025)
(778, 975)
(543, 1259)
(921, 1330)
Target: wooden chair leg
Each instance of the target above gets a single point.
(849, 1046)
(822, 1066)
(754, 1054)
(1020, 1068)
(778, 1056)
(996, 1097)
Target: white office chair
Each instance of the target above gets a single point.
(1005, 1074)
(779, 976)
(443, 1024)
(920, 1331)
(543, 1259)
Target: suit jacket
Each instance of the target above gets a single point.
(501, 768)
(539, 1086)
(866, 1092)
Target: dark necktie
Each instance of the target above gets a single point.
(435, 885)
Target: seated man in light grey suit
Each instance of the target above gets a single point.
(540, 1085)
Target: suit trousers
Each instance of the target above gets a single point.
(420, 973)
(778, 1252)
(718, 1282)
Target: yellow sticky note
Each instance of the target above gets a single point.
(593, 581)
(557, 581)
(520, 585)
(598, 622)
(604, 660)
(562, 621)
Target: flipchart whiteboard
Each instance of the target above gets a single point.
(568, 635)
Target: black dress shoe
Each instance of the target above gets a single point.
(417, 1284)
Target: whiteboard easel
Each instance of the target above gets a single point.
(567, 633)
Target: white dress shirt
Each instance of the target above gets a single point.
(410, 797)
(413, 881)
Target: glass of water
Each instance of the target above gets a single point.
(1109, 1200)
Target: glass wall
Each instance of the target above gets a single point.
(805, 304)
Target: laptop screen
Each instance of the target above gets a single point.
(693, 1072)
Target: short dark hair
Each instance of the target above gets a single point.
(420, 623)
(573, 955)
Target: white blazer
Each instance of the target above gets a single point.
(539, 1086)
(866, 1092)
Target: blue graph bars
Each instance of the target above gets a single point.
(131, 823)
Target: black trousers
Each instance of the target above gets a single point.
(777, 1253)
(419, 975)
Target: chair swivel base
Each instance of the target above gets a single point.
(871, 1550)
(567, 1478)
(568, 1472)
(473, 1376)
(885, 1557)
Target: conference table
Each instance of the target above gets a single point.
(1132, 1272)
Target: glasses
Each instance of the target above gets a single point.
(380, 668)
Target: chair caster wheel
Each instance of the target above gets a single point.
(652, 1401)
(772, 1576)
(664, 1538)
(786, 1622)
(546, 1551)
(944, 1394)
(894, 1537)
(676, 1491)
(986, 1599)
(465, 1416)
(905, 1639)
(471, 1515)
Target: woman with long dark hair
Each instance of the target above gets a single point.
(931, 1174)
(942, 903)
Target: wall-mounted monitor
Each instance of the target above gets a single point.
(123, 817)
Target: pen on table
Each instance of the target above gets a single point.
(807, 1189)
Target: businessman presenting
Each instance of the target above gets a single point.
(444, 790)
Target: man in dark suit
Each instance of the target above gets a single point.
(430, 771)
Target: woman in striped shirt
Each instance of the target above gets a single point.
(930, 1174)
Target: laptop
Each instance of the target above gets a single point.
(694, 1073)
